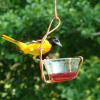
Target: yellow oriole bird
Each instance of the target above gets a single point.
(33, 47)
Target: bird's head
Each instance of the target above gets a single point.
(54, 41)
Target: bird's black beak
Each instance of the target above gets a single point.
(59, 44)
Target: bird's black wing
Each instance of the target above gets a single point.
(34, 41)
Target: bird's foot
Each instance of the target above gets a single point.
(47, 57)
(36, 59)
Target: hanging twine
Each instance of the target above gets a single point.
(46, 35)
(50, 31)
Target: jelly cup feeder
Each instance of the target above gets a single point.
(62, 69)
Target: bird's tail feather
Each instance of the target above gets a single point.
(10, 39)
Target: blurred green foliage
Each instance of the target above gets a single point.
(28, 19)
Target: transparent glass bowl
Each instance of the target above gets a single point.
(62, 69)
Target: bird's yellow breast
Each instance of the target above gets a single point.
(34, 48)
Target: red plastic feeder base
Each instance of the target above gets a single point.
(60, 77)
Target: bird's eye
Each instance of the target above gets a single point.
(56, 40)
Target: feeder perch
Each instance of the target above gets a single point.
(63, 69)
